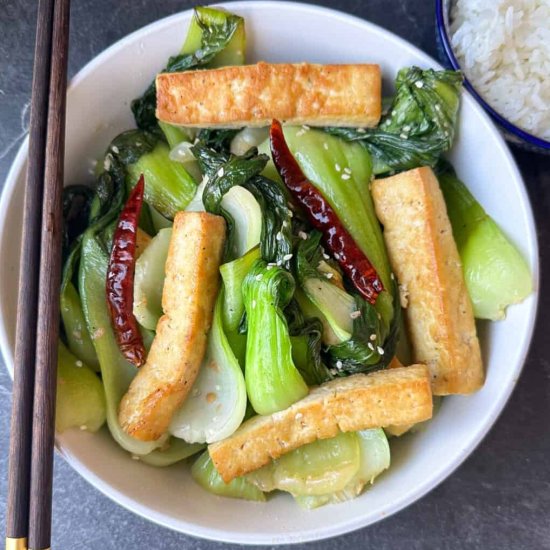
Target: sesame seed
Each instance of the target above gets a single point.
(392, 276)
(347, 170)
(79, 363)
(221, 172)
(217, 387)
(437, 107)
(306, 127)
(279, 236)
(329, 275)
(271, 264)
(300, 133)
(302, 235)
(339, 364)
(298, 416)
(346, 176)
(355, 314)
(259, 277)
(380, 350)
(372, 337)
(326, 256)
(403, 136)
(83, 427)
(135, 457)
(337, 167)
(253, 304)
(419, 84)
(336, 256)
(370, 346)
(406, 128)
(361, 130)
(325, 146)
(279, 263)
(290, 213)
(270, 267)
(286, 223)
(287, 257)
(115, 150)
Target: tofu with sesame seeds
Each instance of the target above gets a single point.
(359, 402)
(424, 257)
(188, 298)
(253, 95)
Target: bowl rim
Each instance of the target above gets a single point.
(422, 488)
(441, 26)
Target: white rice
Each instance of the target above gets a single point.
(503, 46)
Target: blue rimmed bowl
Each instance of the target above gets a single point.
(511, 132)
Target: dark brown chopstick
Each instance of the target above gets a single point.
(17, 512)
(29, 510)
(47, 328)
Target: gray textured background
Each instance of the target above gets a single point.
(498, 499)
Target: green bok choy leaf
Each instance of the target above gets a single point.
(272, 380)
(419, 125)
(495, 272)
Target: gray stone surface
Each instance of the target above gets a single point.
(498, 499)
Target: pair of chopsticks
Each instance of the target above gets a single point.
(29, 500)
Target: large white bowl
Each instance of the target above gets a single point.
(98, 108)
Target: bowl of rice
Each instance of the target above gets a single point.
(503, 49)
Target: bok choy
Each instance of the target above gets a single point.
(272, 380)
(495, 272)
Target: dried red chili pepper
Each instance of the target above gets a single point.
(323, 218)
(120, 279)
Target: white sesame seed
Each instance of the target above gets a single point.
(306, 127)
(287, 257)
(336, 256)
(253, 304)
(290, 213)
(337, 167)
(347, 170)
(372, 337)
(286, 223)
(115, 150)
(406, 128)
(380, 350)
(221, 172)
(355, 314)
(339, 364)
(437, 107)
(361, 130)
(300, 133)
(392, 276)
(259, 277)
(279, 263)
(217, 387)
(135, 457)
(302, 235)
(325, 146)
(79, 363)
(298, 416)
(329, 275)
(107, 163)
(346, 176)
(279, 236)
(270, 266)
(403, 136)
(83, 427)
(370, 346)
(326, 256)
(419, 84)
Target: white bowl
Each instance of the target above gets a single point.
(98, 109)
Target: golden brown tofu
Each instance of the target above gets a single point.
(188, 297)
(358, 402)
(425, 259)
(253, 95)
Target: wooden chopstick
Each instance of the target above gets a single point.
(44, 251)
(47, 326)
(17, 511)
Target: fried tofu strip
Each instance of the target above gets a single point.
(188, 297)
(253, 95)
(424, 257)
(359, 402)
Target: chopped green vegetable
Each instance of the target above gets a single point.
(243, 209)
(80, 401)
(375, 458)
(214, 38)
(418, 127)
(206, 475)
(149, 280)
(272, 381)
(226, 171)
(233, 274)
(324, 466)
(216, 405)
(495, 272)
(174, 134)
(174, 450)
